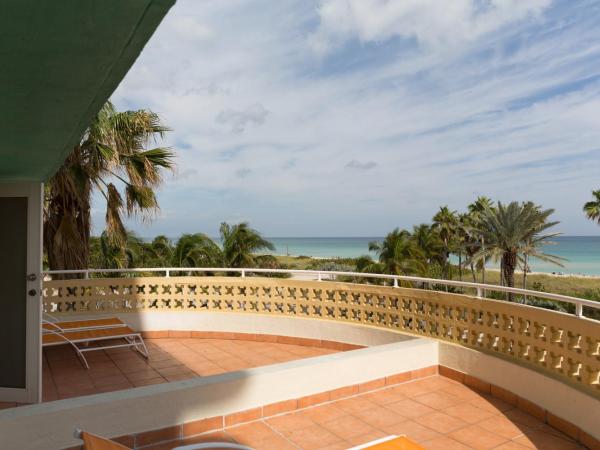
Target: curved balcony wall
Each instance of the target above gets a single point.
(558, 345)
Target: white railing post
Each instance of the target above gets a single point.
(395, 282)
(578, 309)
(86, 274)
(318, 276)
(479, 292)
(167, 273)
(243, 273)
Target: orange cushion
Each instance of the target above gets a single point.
(93, 442)
(399, 443)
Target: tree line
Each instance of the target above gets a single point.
(239, 246)
(509, 234)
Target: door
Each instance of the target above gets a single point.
(20, 291)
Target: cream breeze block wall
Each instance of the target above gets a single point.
(50, 425)
(563, 401)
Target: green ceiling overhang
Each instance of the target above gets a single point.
(61, 60)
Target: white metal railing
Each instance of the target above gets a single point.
(320, 274)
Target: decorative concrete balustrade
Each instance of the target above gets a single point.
(559, 345)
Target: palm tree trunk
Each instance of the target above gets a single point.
(446, 263)
(510, 264)
(483, 262)
(525, 275)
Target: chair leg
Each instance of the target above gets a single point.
(81, 357)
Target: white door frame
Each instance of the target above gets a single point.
(33, 384)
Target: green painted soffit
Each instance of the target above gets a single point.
(60, 61)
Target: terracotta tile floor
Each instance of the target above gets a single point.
(170, 360)
(435, 412)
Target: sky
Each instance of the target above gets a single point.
(353, 117)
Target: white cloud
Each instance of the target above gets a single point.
(238, 120)
(511, 112)
(432, 23)
(367, 165)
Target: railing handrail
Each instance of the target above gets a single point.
(479, 287)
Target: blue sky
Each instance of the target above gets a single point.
(352, 117)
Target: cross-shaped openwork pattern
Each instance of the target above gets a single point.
(559, 345)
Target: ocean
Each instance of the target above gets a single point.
(582, 253)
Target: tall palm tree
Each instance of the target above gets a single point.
(445, 222)
(113, 152)
(399, 254)
(240, 243)
(196, 250)
(162, 250)
(509, 232)
(105, 254)
(475, 240)
(532, 249)
(592, 208)
(428, 240)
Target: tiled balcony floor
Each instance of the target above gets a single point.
(435, 412)
(170, 360)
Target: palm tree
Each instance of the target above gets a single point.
(510, 231)
(445, 223)
(532, 246)
(239, 243)
(399, 254)
(428, 240)
(105, 254)
(162, 250)
(196, 250)
(113, 151)
(592, 208)
(475, 240)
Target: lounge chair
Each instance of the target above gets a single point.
(51, 323)
(79, 337)
(389, 443)
(93, 442)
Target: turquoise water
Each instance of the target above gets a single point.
(582, 252)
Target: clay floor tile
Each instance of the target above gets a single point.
(438, 400)
(288, 423)
(468, 413)
(355, 404)
(492, 404)
(503, 426)
(413, 430)
(545, 441)
(348, 426)
(410, 409)
(149, 382)
(313, 438)
(385, 397)
(440, 422)
(379, 417)
(477, 437)
(252, 433)
(364, 438)
(324, 413)
(444, 443)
